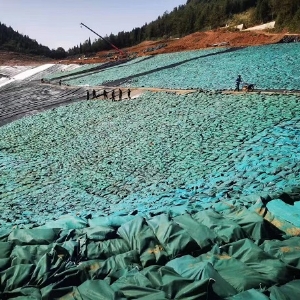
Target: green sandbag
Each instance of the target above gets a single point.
(140, 237)
(29, 254)
(5, 263)
(24, 293)
(63, 282)
(249, 295)
(35, 236)
(106, 249)
(110, 221)
(71, 295)
(97, 233)
(286, 250)
(130, 277)
(93, 290)
(4, 233)
(5, 249)
(189, 267)
(67, 222)
(71, 247)
(177, 287)
(255, 226)
(271, 269)
(174, 239)
(286, 212)
(135, 285)
(50, 264)
(222, 206)
(239, 275)
(54, 292)
(15, 277)
(138, 292)
(128, 260)
(204, 236)
(158, 296)
(289, 291)
(225, 229)
(228, 268)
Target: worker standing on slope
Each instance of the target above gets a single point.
(128, 93)
(105, 94)
(87, 95)
(120, 94)
(113, 95)
(237, 83)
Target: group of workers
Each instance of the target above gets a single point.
(105, 94)
(238, 81)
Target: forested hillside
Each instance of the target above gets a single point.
(11, 40)
(200, 15)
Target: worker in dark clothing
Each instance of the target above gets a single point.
(59, 82)
(120, 94)
(105, 94)
(94, 94)
(237, 83)
(87, 95)
(113, 95)
(128, 93)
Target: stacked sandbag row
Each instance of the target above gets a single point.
(226, 251)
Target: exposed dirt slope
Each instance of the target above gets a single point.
(198, 40)
(20, 59)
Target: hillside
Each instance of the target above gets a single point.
(193, 17)
(9, 58)
(194, 41)
(199, 16)
(11, 40)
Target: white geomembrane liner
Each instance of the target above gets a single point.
(27, 74)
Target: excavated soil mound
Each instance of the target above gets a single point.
(201, 40)
(20, 59)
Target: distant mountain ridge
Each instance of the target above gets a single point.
(11, 40)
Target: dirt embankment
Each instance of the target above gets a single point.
(20, 59)
(198, 40)
(201, 40)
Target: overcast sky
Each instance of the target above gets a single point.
(55, 23)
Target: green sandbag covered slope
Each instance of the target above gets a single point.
(157, 256)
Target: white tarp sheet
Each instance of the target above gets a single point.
(27, 74)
